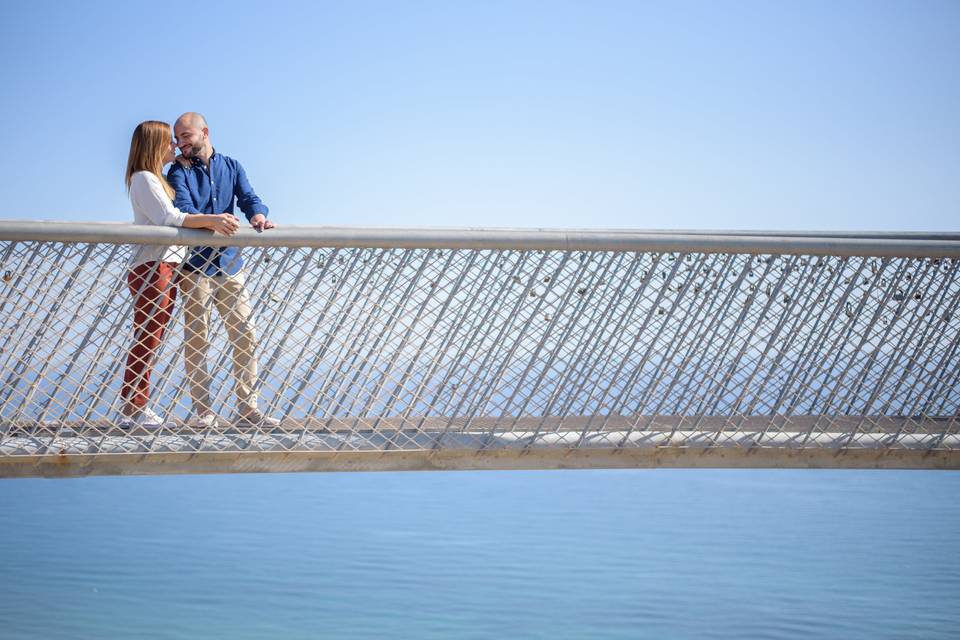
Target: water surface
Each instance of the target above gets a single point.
(558, 554)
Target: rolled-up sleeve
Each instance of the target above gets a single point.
(149, 197)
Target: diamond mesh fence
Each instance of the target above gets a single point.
(332, 349)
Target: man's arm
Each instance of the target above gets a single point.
(177, 177)
(249, 202)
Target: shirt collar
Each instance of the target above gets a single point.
(197, 162)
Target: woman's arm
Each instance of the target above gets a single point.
(148, 196)
(222, 223)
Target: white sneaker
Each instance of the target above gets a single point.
(255, 418)
(206, 421)
(146, 419)
(150, 420)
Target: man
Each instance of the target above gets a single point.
(208, 182)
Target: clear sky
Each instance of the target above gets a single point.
(738, 115)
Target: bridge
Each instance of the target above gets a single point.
(404, 349)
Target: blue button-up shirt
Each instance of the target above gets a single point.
(199, 190)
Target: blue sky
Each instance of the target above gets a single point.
(738, 115)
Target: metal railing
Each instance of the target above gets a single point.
(495, 348)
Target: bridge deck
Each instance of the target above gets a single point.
(347, 444)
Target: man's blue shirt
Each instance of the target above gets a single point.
(200, 191)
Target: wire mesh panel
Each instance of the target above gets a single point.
(473, 349)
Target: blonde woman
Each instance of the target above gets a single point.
(151, 274)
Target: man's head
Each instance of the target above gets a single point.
(193, 136)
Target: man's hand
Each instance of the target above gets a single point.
(260, 223)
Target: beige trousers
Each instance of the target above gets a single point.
(233, 304)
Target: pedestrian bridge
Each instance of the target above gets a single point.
(400, 348)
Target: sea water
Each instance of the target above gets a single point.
(545, 554)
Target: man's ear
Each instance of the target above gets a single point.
(206, 132)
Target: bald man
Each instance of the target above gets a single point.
(205, 181)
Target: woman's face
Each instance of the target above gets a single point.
(170, 155)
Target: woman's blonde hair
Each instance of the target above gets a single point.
(148, 148)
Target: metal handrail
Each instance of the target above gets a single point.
(879, 244)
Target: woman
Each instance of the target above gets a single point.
(151, 274)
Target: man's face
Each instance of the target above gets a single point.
(191, 140)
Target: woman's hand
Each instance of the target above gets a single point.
(223, 223)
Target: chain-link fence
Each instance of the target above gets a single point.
(429, 342)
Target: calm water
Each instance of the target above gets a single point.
(565, 554)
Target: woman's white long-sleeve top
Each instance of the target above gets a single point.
(152, 206)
